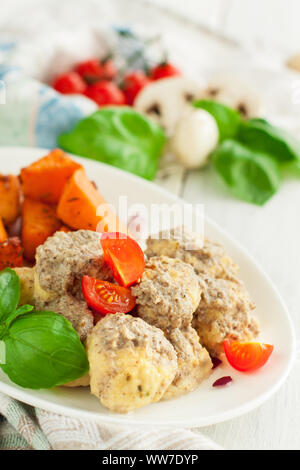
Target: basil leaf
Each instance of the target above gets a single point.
(260, 135)
(228, 120)
(9, 292)
(119, 136)
(251, 176)
(17, 313)
(43, 350)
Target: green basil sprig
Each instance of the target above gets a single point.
(228, 120)
(9, 293)
(260, 135)
(251, 154)
(252, 176)
(119, 136)
(42, 349)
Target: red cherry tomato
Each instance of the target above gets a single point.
(105, 93)
(133, 83)
(90, 69)
(94, 70)
(109, 69)
(164, 70)
(69, 83)
(104, 297)
(247, 356)
(124, 256)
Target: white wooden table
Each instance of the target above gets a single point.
(271, 233)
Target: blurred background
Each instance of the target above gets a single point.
(267, 23)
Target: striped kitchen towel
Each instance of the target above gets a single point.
(23, 427)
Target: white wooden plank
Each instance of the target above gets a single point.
(202, 11)
(274, 23)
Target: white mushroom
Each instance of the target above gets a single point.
(196, 136)
(166, 100)
(236, 93)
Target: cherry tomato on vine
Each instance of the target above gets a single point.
(133, 83)
(164, 70)
(106, 93)
(69, 83)
(93, 70)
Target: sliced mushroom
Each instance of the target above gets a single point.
(236, 93)
(166, 100)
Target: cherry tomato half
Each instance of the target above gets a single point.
(124, 256)
(69, 83)
(104, 297)
(247, 356)
(105, 93)
(164, 70)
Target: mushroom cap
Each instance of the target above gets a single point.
(236, 93)
(166, 100)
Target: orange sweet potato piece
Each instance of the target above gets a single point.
(65, 229)
(11, 253)
(79, 203)
(45, 179)
(39, 222)
(9, 198)
(3, 233)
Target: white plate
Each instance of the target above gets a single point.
(206, 405)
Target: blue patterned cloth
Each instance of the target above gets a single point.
(34, 114)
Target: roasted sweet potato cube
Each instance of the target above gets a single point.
(79, 204)
(45, 179)
(9, 198)
(3, 233)
(39, 222)
(11, 253)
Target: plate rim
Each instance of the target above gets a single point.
(112, 418)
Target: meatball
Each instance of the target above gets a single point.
(206, 257)
(131, 363)
(73, 309)
(194, 363)
(64, 258)
(168, 294)
(224, 312)
(60, 264)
